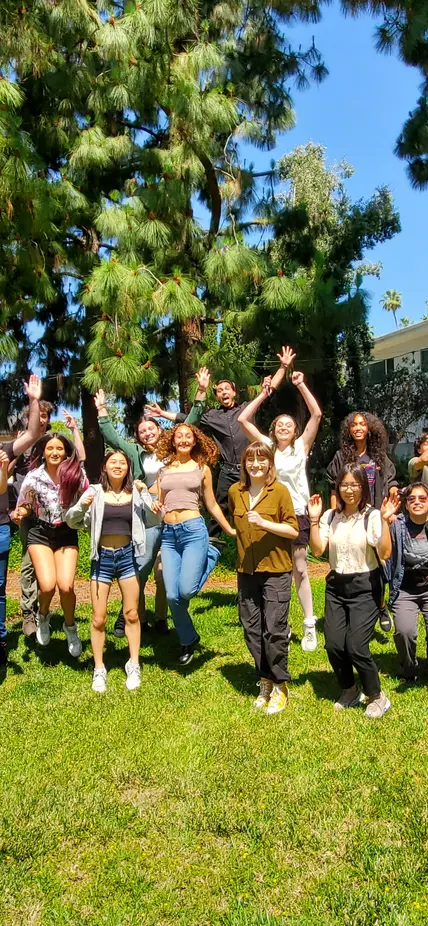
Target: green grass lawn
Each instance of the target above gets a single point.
(178, 804)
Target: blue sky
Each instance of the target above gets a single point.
(357, 114)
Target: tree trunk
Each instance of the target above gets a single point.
(94, 444)
(188, 335)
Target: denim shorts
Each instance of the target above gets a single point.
(114, 564)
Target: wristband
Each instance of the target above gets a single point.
(311, 521)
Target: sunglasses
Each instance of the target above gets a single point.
(417, 498)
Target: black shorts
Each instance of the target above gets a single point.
(45, 535)
(304, 526)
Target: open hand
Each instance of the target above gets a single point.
(34, 387)
(100, 399)
(157, 507)
(390, 508)
(286, 356)
(203, 377)
(315, 507)
(153, 411)
(394, 494)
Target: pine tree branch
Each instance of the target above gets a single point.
(214, 194)
(142, 128)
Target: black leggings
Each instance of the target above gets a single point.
(352, 603)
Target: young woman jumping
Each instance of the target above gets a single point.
(266, 526)
(187, 556)
(55, 480)
(291, 457)
(113, 511)
(358, 537)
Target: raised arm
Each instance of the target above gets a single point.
(109, 433)
(250, 430)
(311, 429)
(388, 512)
(212, 506)
(78, 443)
(33, 390)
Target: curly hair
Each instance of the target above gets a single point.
(204, 451)
(418, 443)
(273, 425)
(377, 439)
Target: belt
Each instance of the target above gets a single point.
(230, 467)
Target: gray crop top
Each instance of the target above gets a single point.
(181, 489)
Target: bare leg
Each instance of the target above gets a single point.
(65, 564)
(43, 561)
(130, 590)
(99, 598)
(301, 578)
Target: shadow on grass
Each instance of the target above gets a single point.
(241, 675)
(324, 683)
(215, 599)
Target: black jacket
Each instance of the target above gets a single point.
(385, 478)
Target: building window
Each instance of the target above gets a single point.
(389, 366)
(377, 372)
(424, 361)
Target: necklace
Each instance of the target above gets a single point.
(117, 495)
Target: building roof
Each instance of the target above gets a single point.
(401, 341)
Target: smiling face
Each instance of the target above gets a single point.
(54, 452)
(184, 439)
(257, 466)
(285, 429)
(148, 433)
(44, 420)
(417, 503)
(225, 394)
(350, 490)
(359, 429)
(116, 467)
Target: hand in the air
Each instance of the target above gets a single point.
(286, 356)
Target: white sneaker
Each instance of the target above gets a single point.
(378, 707)
(309, 640)
(99, 680)
(133, 675)
(73, 640)
(43, 630)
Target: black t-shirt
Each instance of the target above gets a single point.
(415, 579)
(4, 497)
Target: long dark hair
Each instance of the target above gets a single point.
(360, 476)
(377, 439)
(69, 471)
(127, 479)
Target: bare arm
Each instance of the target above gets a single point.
(212, 506)
(388, 511)
(251, 430)
(4, 463)
(311, 429)
(333, 500)
(25, 440)
(318, 543)
(78, 443)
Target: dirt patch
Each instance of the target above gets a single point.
(316, 571)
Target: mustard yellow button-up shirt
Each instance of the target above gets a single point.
(259, 550)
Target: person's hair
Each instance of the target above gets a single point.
(418, 443)
(69, 471)
(225, 380)
(377, 439)
(127, 479)
(409, 489)
(257, 448)
(43, 405)
(273, 425)
(142, 418)
(204, 451)
(360, 476)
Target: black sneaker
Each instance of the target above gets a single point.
(145, 626)
(385, 620)
(119, 627)
(3, 655)
(161, 627)
(187, 653)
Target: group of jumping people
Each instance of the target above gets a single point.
(145, 514)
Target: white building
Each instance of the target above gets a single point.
(405, 345)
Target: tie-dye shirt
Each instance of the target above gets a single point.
(41, 494)
(369, 466)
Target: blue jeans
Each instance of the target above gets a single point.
(4, 558)
(187, 560)
(114, 564)
(145, 563)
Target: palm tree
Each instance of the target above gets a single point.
(391, 302)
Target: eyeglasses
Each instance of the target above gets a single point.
(417, 498)
(349, 485)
